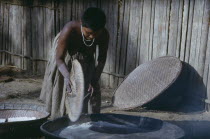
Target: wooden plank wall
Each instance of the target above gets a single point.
(140, 30)
(26, 34)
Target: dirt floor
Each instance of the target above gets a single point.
(27, 90)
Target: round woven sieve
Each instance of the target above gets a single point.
(147, 82)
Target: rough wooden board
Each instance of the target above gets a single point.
(63, 14)
(5, 32)
(31, 3)
(199, 48)
(196, 32)
(208, 87)
(73, 14)
(112, 40)
(48, 32)
(189, 31)
(179, 29)
(34, 43)
(69, 11)
(28, 38)
(207, 60)
(79, 9)
(24, 36)
(207, 66)
(124, 31)
(133, 32)
(115, 26)
(144, 32)
(111, 26)
(204, 38)
(52, 32)
(18, 34)
(113, 82)
(8, 39)
(11, 29)
(91, 3)
(1, 31)
(21, 51)
(40, 41)
(119, 30)
(184, 29)
(57, 17)
(173, 28)
(152, 30)
(160, 37)
(105, 78)
(46, 36)
(117, 53)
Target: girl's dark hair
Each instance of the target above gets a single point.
(93, 18)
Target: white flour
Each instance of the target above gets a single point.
(15, 119)
(101, 130)
(2, 120)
